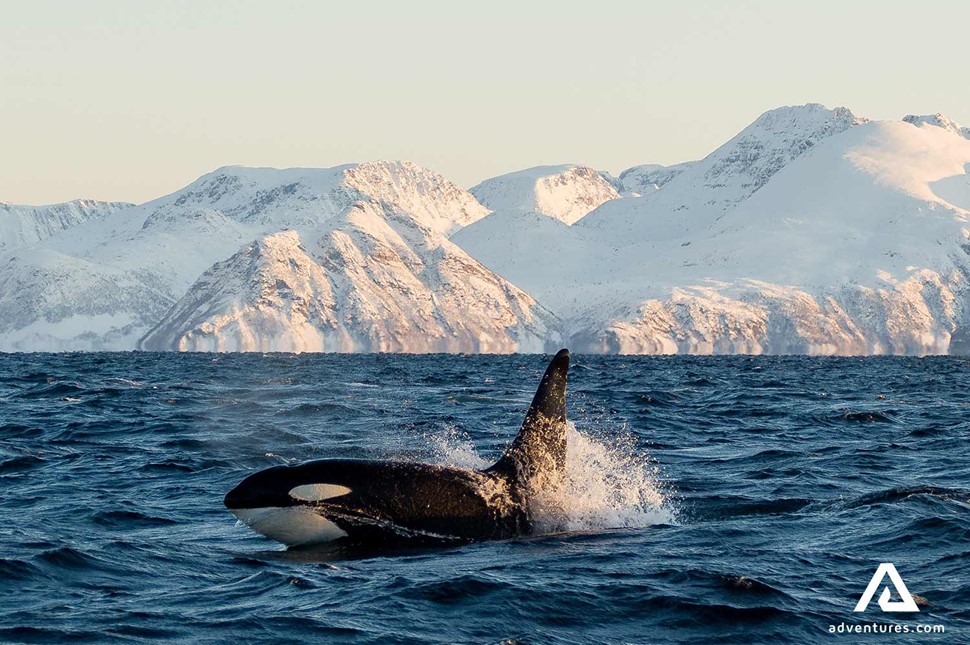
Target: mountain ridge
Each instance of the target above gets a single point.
(811, 231)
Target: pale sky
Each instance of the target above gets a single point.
(130, 100)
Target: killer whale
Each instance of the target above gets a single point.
(388, 502)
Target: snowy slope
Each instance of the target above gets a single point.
(50, 301)
(609, 252)
(565, 193)
(377, 281)
(706, 189)
(527, 248)
(26, 225)
(136, 263)
(529, 237)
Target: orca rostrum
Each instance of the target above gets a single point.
(387, 501)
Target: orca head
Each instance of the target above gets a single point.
(280, 503)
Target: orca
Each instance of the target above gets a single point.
(383, 502)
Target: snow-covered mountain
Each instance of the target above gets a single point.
(701, 191)
(811, 231)
(26, 225)
(844, 237)
(112, 278)
(565, 193)
(528, 238)
(611, 250)
(376, 280)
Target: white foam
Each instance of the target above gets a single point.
(455, 448)
(610, 484)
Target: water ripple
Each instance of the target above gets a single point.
(783, 481)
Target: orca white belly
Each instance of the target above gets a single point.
(292, 525)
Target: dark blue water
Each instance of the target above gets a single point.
(782, 483)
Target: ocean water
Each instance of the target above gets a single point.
(732, 499)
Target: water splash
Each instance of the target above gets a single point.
(609, 483)
(453, 447)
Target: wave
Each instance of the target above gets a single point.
(893, 495)
(14, 569)
(868, 416)
(19, 464)
(313, 410)
(454, 591)
(128, 520)
(716, 507)
(68, 558)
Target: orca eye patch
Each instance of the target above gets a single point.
(317, 492)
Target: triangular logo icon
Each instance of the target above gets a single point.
(905, 604)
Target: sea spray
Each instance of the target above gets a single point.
(454, 447)
(610, 483)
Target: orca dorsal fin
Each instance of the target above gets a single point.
(537, 456)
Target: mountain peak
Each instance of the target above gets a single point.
(810, 116)
(373, 282)
(564, 192)
(433, 200)
(301, 198)
(770, 143)
(938, 120)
